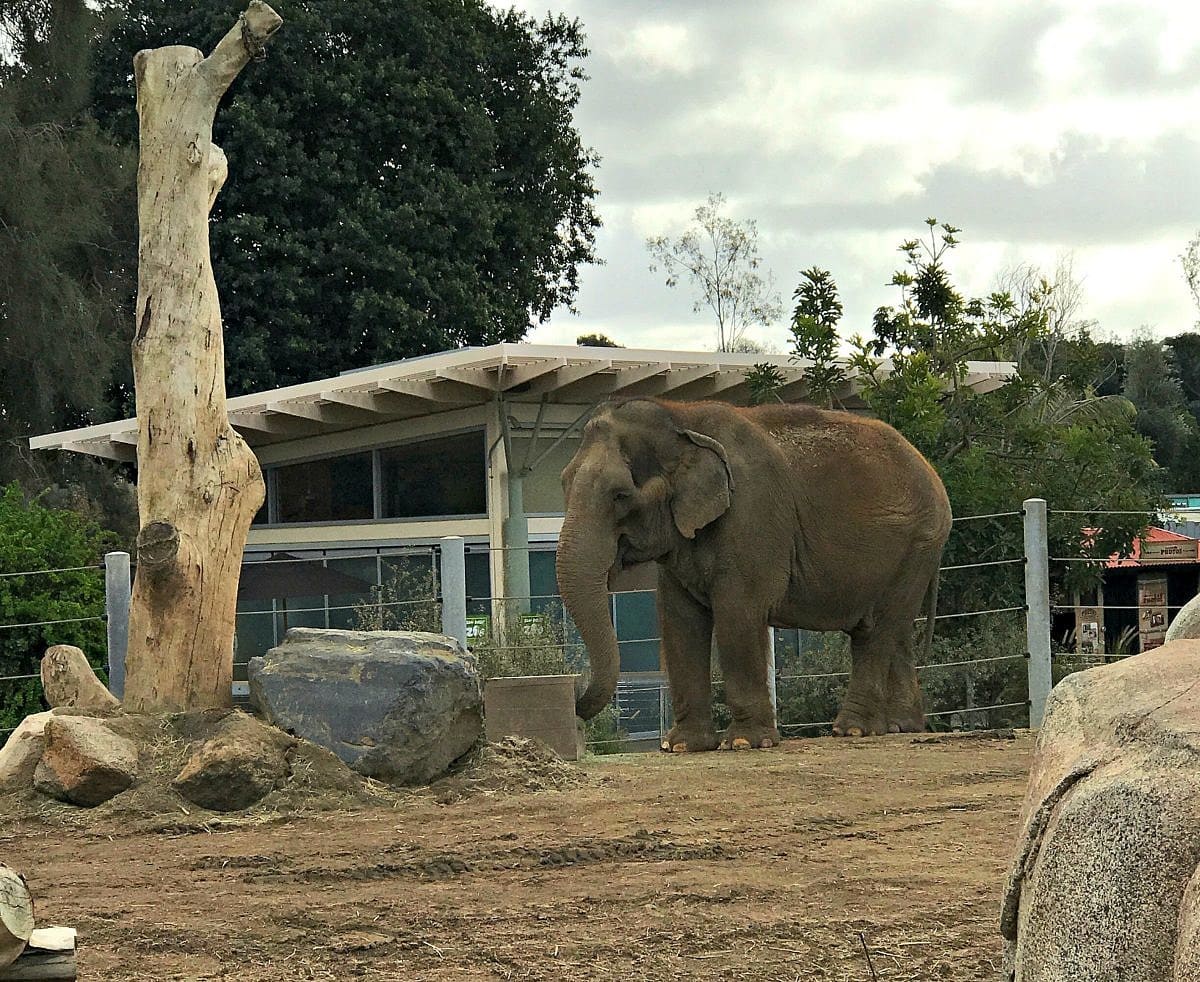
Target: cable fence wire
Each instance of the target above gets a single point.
(66, 569)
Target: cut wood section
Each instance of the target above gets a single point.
(199, 484)
(16, 915)
(50, 957)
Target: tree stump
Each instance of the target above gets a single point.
(199, 484)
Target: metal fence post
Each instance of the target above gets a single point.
(771, 672)
(454, 588)
(1037, 607)
(116, 607)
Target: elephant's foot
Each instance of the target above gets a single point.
(750, 737)
(855, 724)
(688, 740)
(907, 723)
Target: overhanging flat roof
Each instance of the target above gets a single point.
(476, 376)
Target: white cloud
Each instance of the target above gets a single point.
(1040, 126)
(656, 47)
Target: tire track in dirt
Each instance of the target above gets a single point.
(642, 846)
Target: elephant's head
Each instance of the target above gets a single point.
(638, 487)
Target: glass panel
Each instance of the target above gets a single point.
(479, 583)
(255, 634)
(362, 568)
(435, 477)
(543, 583)
(331, 490)
(636, 618)
(543, 488)
(299, 612)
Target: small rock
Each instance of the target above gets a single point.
(21, 752)
(68, 680)
(398, 706)
(84, 762)
(242, 763)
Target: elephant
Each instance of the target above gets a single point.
(785, 516)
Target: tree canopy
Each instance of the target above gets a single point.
(65, 224)
(406, 178)
(1045, 433)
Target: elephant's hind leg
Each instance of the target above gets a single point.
(865, 709)
(686, 628)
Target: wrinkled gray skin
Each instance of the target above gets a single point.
(787, 516)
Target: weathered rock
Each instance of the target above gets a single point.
(1186, 625)
(68, 680)
(240, 764)
(21, 752)
(84, 762)
(398, 706)
(1099, 887)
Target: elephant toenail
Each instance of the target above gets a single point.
(854, 731)
(767, 744)
(679, 748)
(893, 727)
(741, 743)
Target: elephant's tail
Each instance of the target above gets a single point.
(929, 611)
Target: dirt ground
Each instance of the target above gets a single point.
(760, 865)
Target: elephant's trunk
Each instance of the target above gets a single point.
(586, 553)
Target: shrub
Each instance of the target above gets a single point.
(33, 537)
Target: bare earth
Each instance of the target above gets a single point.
(759, 865)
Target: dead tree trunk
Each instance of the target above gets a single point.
(199, 484)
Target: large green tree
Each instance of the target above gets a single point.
(1163, 414)
(66, 221)
(407, 178)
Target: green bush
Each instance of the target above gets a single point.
(34, 538)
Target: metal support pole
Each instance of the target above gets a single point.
(1037, 608)
(771, 672)
(117, 595)
(454, 588)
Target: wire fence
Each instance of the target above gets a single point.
(968, 685)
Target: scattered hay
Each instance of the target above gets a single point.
(317, 781)
(514, 765)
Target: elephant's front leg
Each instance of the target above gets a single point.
(743, 646)
(686, 628)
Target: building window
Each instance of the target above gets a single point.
(334, 489)
(445, 476)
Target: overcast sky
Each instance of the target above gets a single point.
(1037, 127)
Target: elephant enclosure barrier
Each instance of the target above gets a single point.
(991, 665)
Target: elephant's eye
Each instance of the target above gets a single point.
(621, 495)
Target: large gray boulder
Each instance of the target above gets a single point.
(1105, 882)
(397, 706)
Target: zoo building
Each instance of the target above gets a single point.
(368, 471)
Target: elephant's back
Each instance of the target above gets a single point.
(857, 462)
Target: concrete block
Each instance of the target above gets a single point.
(536, 707)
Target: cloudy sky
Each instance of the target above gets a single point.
(1039, 128)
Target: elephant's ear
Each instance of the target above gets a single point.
(702, 485)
